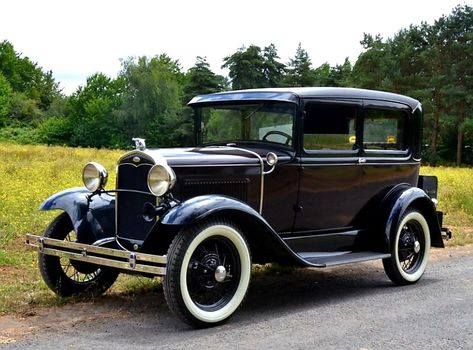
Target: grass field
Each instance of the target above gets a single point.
(30, 174)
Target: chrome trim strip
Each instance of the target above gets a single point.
(210, 165)
(125, 190)
(104, 241)
(380, 163)
(136, 166)
(261, 162)
(363, 164)
(135, 261)
(141, 153)
(419, 106)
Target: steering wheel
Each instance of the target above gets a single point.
(277, 132)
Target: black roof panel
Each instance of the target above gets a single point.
(295, 93)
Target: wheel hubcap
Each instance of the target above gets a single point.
(220, 273)
(416, 247)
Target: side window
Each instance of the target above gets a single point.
(329, 127)
(384, 129)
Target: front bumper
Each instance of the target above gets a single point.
(120, 259)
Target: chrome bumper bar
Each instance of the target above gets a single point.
(120, 259)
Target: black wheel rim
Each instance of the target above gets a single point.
(411, 235)
(78, 271)
(205, 291)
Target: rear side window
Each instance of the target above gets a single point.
(384, 129)
(329, 127)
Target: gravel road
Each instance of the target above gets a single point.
(352, 307)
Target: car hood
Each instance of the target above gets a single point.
(204, 156)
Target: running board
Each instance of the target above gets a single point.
(318, 259)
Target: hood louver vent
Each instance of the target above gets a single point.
(233, 187)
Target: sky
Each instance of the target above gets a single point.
(76, 39)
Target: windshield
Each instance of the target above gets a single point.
(264, 122)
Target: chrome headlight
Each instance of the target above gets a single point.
(94, 176)
(161, 178)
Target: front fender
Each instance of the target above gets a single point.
(92, 219)
(265, 243)
(198, 208)
(400, 201)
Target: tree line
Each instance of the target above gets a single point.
(430, 62)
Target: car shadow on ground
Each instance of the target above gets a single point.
(273, 294)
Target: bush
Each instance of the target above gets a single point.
(20, 135)
(55, 131)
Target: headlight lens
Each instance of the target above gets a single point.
(161, 178)
(94, 176)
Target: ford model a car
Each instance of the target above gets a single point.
(312, 177)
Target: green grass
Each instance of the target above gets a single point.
(30, 174)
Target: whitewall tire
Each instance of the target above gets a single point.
(208, 273)
(410, 249)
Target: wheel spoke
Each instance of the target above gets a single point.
(72, 273)
(410, 237)
(216, 249)
(203, 286)
(67, 269)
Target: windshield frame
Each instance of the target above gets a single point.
(258, 105)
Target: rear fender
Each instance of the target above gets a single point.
(92, 219)
(265, 243)
(404, 198)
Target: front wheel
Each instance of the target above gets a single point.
(208, 273)
(68, 277)
(409, 249)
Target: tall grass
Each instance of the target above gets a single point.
(455, 200)
(28, 175)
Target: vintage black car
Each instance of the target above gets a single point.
(312, 177)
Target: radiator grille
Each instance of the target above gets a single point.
(130, 222)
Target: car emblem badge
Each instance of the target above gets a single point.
(136, 159)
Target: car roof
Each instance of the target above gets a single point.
(295, 93)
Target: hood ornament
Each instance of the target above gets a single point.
(140, 144)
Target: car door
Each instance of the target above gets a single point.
(330, 175)
(389, 135)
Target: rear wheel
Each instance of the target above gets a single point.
(68, 277)
(208, 273)
(409, 249)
